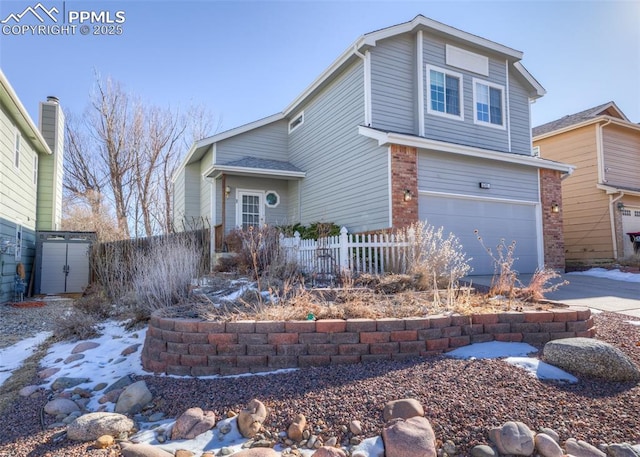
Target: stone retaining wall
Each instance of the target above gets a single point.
(198, 348)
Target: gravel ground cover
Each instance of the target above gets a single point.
(462, 399)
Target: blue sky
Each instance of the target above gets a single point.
(247, 60)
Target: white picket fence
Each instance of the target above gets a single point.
(348, 253)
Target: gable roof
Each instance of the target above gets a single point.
(606, 109)
(20, 116)
(252, 166)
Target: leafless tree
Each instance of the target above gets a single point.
(124, 154)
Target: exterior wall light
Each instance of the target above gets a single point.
(407, 195)
(227, 191)
(555, 208)
(620, 206)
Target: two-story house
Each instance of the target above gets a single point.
(30, 181)
(418, 121)
(602, 198)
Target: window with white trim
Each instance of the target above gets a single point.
(296, 122)
(16, 150)
(444, 94)
(488, 104)
(35, 169)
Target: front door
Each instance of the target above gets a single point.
(250, 209)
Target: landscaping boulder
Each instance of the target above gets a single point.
(402, 409)
(590, 357)
(60, 406)
(143, 450)
(413, 437)
(251, 418)
(257, 452)
(93, 425)
(327, 451)
(579, 448)
(192, 423)
(547, 446)
(513, 438)
(297, 428)
(133, 398)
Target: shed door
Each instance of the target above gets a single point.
(630, 224)
(493, 220)
(65, 267)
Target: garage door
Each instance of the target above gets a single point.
(493, 220)
(630, 224)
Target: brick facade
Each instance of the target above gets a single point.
(174, 346)
(550, 193)
(404, 176)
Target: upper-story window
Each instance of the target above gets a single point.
(296, 122)
(16, 152)
(445, 93)
(488, 104)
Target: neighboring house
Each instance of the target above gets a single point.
(416, 121)
(602, 198)
(30, 181)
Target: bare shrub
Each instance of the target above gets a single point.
(75, 325)
(504, 281)
(436, 261)
(95, 302)
(539, 285)
(165, 272)
(110, 263)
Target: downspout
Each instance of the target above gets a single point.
(603, 180)
(614, 239)
(223, 210)
(366, 65)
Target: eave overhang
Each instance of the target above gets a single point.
(216, 171)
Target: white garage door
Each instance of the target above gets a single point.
(494, 220)
(630, 224)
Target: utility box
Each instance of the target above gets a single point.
(63, 262)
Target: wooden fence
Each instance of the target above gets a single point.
(349, 253)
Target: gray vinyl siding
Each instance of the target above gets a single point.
(205, 187)
(393, 87)
(457, 131)
(347, 174)
(267, 142)
(178, 199)
(455, 174)
(192, 191)
(7, 275)
(50, 175)
(519, 116)
(273, 216)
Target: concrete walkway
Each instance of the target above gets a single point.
(589, 291)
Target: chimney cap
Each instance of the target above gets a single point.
(53, 99)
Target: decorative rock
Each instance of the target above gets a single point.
(257, 452)
(47, 372)
(60, 406)
(449, 447)
(99, 386)
(184, 453)
(413, 437)
(331, 442)
(143, 450)
(552, 433)
(591, 357)
(355, 427)
(120, 384)
(73, 358)
(192, 423)
(27, 391)
(402, 409)
(133, 398)
(547, 446)
(326, 451)
(582, 449)
(622, 450)
(251, 418)
(513, 438)
(104, 441)
(66, 382)
(483, 451)
(130, 349)
(84, 346)
(297, 427)
(93, 425)
(111, 396)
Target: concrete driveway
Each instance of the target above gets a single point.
(589, 291)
